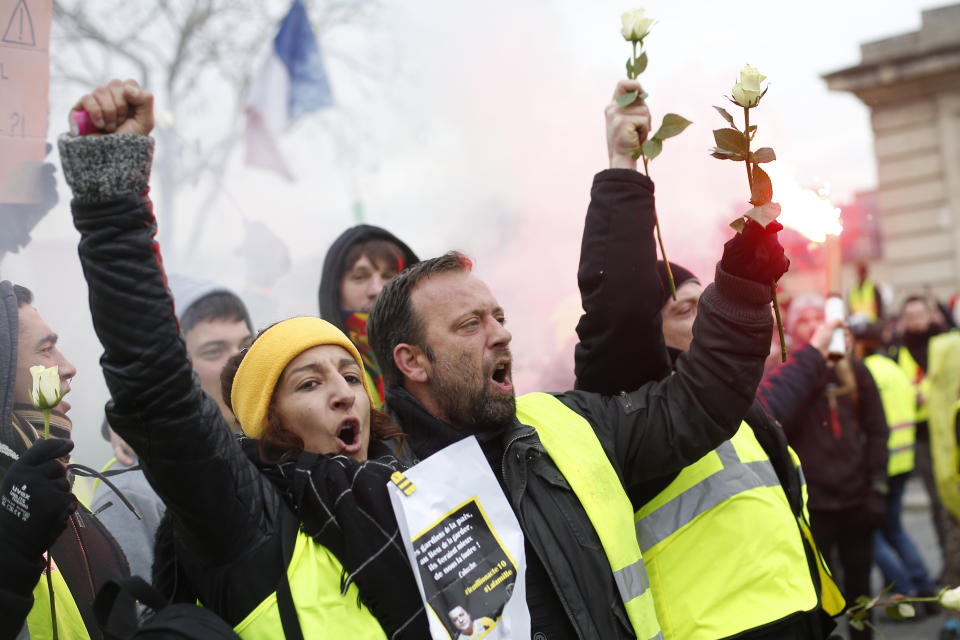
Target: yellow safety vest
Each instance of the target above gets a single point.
(314, 575)
(69, 621)
(943, 376)
(572, 444)
(723, 548)
(863, 301)
(917, 377)
(900, 407)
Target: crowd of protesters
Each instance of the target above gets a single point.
(693, 492)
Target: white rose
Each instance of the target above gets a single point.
(764, 214)
(747, 92)
(950, 599)
(635, 25)
(45, 393)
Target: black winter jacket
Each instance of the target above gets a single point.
(844, 455)
(654, 430)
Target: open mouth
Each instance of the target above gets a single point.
(348, 436)
(501, 376)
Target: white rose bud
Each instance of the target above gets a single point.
(45, 393)
(764, 214)
(635, 25)
(747, 92)
(950, 599)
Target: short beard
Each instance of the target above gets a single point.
(465, 398)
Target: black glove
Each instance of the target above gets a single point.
(755, 254)
(35, 499)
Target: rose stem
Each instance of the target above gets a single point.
(663, 251)
(773, 283)
(53, 605)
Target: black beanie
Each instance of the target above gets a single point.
(680, 276)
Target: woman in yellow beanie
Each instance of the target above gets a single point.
(301, 397)
(300, 387)
(287, 532)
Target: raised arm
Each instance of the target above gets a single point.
(621, 343)
(784, 390)
(186, 449)
(664, 426)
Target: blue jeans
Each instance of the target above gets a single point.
(894, 551)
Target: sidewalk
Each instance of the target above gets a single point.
(918, 523)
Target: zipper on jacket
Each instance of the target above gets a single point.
(546, 567)
(85, 564)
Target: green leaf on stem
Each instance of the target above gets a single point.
(672, 125)
(731, 140)
(636, 154)
(764, 154)
(726, 115)
(907, 610)
(762, 191)
(863, 600)
(651, 148)
(627, 99)
(723, 154)
(893, 612)
(641, 65)
(630, 74)
(857, 624)
(644, 95)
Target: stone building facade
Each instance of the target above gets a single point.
(911, 83)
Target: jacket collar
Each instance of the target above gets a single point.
(430, 434)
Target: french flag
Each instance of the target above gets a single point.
(291, 82)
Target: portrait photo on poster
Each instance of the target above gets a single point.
(467, 573)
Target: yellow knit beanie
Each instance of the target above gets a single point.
(266, 359)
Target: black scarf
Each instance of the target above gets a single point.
(917, 344)
(343, 505)
(429, 433)
(26, 425)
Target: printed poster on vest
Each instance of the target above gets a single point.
(465, 545)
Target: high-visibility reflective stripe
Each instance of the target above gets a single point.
(727, 454)
(735, 477)
(632, 581)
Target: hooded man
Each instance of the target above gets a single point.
(37, 511)
(359, 262)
